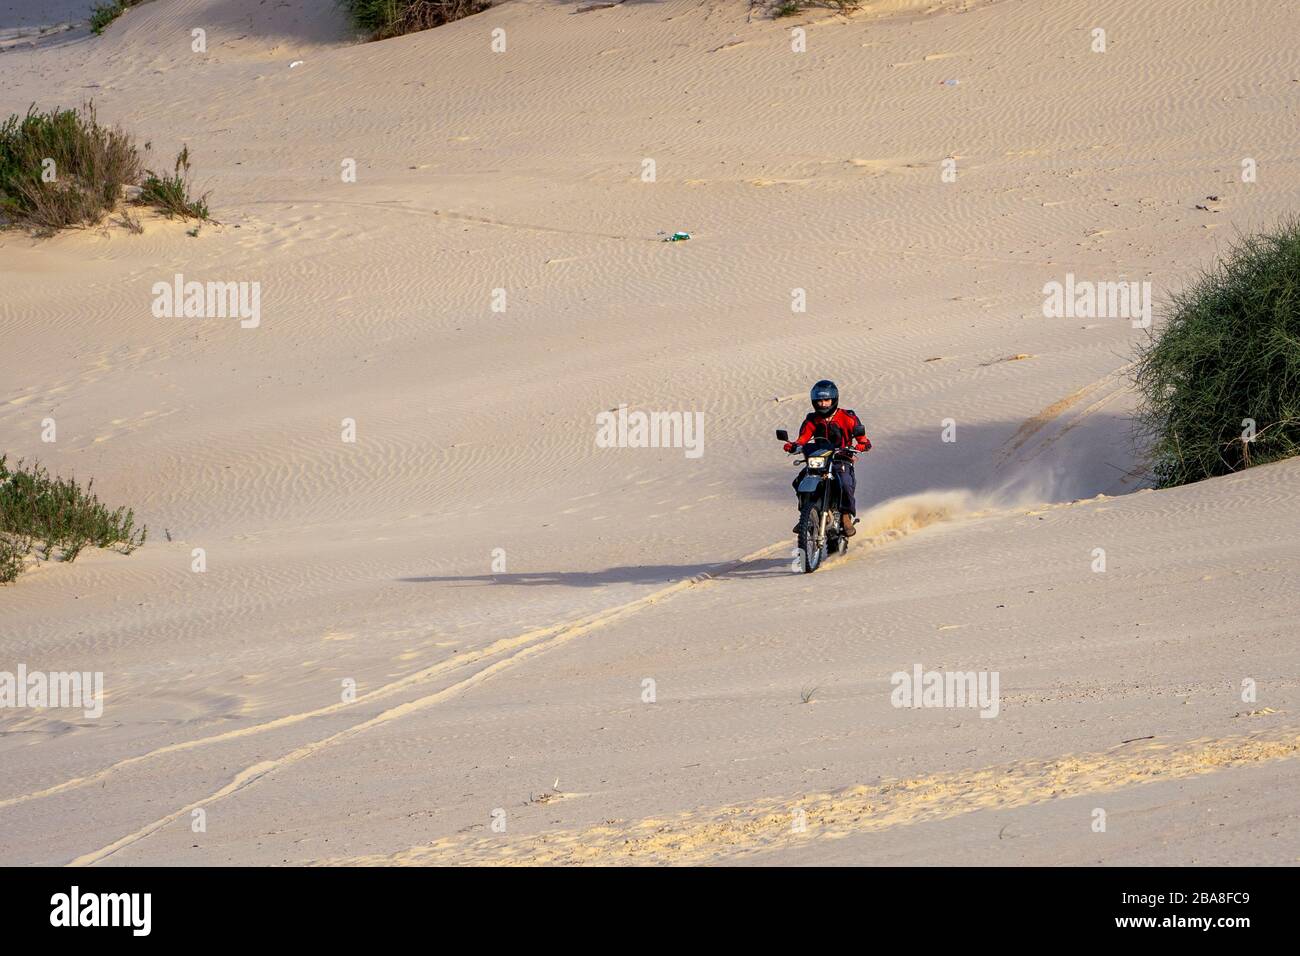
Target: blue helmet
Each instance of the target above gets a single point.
(825, 389)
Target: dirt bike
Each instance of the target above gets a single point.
(820, 532)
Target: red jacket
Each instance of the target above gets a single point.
(844, 421)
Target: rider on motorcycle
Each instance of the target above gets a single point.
(836, 425)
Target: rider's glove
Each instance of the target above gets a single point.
(788, 446)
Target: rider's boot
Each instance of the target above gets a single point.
(846, 524)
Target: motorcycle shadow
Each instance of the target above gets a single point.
(632, 574)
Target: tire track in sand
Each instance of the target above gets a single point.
(1036, 423)
(449, 214)
(516, 643)
(892, 520)
(524, 646)
(882, 525)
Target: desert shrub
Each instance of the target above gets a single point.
(85, 163)
(1220, 381)
(790, 8)
(46, 514)
(381, 19)
(64, 168)
(12, 551)
(102, 14)
(171, 194)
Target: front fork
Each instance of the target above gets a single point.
(826, 506)
(825, 509)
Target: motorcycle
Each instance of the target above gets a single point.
(820, 531)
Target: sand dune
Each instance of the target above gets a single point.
(498, 589)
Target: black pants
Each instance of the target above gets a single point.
(848, 485)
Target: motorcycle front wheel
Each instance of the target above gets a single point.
(812, 548)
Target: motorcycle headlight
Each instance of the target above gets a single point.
(816, 464)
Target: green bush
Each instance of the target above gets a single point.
(790, 8)
(88, 164)
(105, 13)
(45, 514)
(381, 19)
(12, 551)
(1228, 355)
(171, 194)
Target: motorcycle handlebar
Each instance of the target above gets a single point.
(798, 450)
(798, 463)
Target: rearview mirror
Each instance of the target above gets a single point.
(782, 434)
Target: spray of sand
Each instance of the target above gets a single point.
(897, 517)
